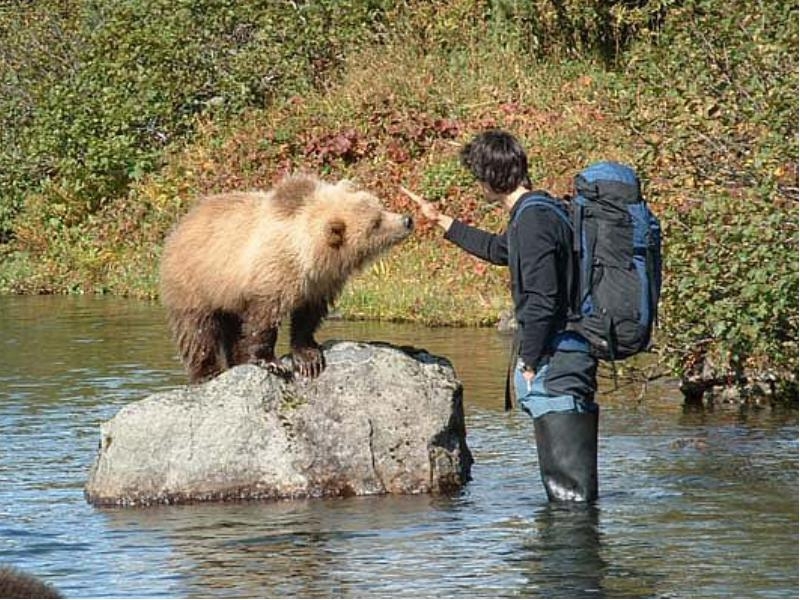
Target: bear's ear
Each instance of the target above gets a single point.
(335, 232)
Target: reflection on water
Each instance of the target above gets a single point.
(693, 503)
(562, 553)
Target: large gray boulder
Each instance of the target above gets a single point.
(379, 420)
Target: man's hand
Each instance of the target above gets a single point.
(429, 210)
(528, 373)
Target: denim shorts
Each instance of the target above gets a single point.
(564, 382)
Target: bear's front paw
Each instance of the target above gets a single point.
(308, 361)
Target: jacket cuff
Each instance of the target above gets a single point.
(455, 231)
(533, 363)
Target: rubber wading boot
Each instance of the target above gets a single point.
(567, 446)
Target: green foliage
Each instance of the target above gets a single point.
(717, 92)
(114, 115)
(95, 91)
(716, 106)
(730, 299)
(545, 29)
(443, 179)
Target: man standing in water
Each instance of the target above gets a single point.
(555, 376)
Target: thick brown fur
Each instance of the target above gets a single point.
(238, 263)
(16, 584)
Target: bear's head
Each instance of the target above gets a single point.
(349, 227)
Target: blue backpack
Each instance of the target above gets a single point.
(615, 279)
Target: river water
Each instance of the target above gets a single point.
(694, 503)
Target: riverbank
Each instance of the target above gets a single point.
(704, 107)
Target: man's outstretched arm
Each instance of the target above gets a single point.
(487, 246)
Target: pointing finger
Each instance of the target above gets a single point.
(416, 198)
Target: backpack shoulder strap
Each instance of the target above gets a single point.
(574, 224)
(543, 199)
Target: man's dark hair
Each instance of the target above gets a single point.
(497, 159)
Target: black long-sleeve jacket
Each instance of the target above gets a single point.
(539, 277)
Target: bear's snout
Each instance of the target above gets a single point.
(408, 222)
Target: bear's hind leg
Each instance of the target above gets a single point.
(198, 336)
(259, 349)
(256, 344)
(306, 353)
(229, 326)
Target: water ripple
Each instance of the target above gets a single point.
(692, 504)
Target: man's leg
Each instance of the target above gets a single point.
(561, 402)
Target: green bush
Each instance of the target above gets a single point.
(577, 28)
(701, 95)
(715, 95)
(716, 109)
(730, 303)
(95, 91)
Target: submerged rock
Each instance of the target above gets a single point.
(379, 420)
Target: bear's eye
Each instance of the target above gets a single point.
(376, 222)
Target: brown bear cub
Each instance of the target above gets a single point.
(238, 263)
